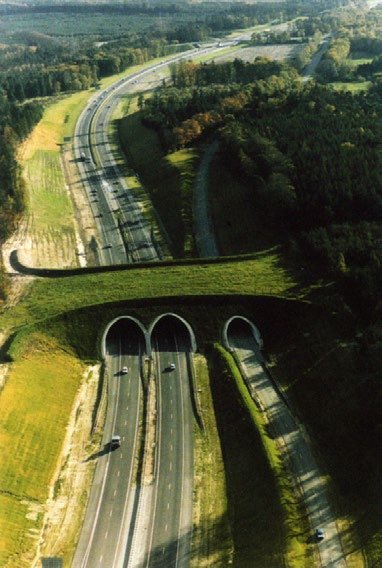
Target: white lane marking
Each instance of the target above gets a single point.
(169, 485)
(171, 447)
(165, 528)
(120, 457)
(118, 473)
(171, 401)
(172, 416)
(106, 533)
(111, 512)
(125, 422)
(115, 492)
(170, 466)
(168, 505)
(100, 559)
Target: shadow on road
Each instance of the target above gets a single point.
(107, 448)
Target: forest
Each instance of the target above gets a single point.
(311, 155)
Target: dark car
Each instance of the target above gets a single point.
(320, 535)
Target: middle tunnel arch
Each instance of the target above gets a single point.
(168, 321)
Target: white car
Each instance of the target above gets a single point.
(172, 366)
(115, 441)
(124, 370)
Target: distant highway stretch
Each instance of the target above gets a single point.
(124, 233)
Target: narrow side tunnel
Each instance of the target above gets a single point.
(238, 331)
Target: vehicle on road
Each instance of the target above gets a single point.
(171, 366)
(320, 535)
(115, 441)
(108, 246)
(124, 370)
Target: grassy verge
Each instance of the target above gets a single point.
(211, 536)
(169, 182)
(34, 408)
(265, 517)
(51, 297)
(51, 225)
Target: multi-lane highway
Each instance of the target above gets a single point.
(171, 529)
(127, 524)
(124, 233)
(134, 524)
(105, 533)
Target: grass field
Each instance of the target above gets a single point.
(351, 87)
(34, 408)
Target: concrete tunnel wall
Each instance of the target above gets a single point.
(187, 325)
(147, 333)
(137, 322)
(255, 332)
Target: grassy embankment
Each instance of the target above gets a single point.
(35, 405)
(239, 221)
(268, 524)
(169, 183)
(50, 215)
(211, 537)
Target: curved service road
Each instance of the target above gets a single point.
(291, 437)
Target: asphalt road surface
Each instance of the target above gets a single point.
(124, 234)
(296, 443)
(164, 529)
(105, 531)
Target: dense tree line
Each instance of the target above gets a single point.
(15, 124)
(48, 65)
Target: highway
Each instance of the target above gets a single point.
(124, 233)
(105, 531)
(163, 532)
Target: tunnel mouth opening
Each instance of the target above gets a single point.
(172, 325)
(240, 327)
(124, 333)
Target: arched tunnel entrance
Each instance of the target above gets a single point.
(125, 336)
(240, 332)
(170, 332)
